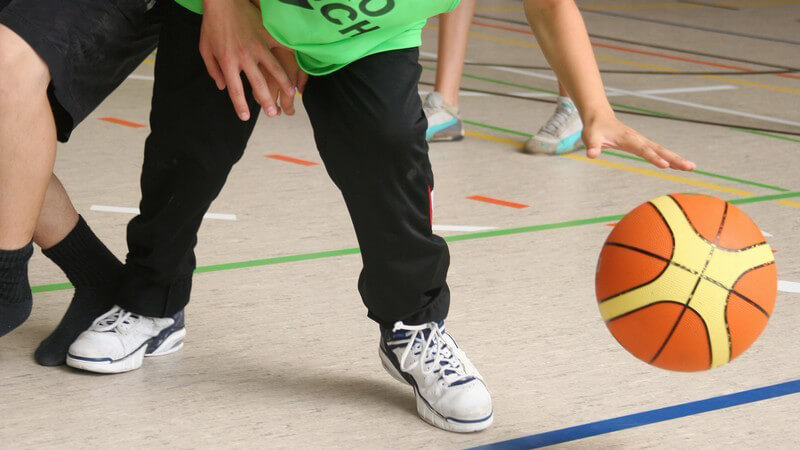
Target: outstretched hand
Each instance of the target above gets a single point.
(609, 132)
(233, 40)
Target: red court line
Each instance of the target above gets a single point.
(122, 122)
(642, 52)
(291, 160)
(495, 201)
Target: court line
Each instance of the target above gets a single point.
(607, 152)
(662, 99)
(651, 173)
(693, 27)
(494, 201)
(709, 5)
(134, 76)
(289, 159)
(124, 123)
(643, 52)
(628, 107)
(662, 47)
(600, 427)
(124, 210)
(789, 286)
(460, 237)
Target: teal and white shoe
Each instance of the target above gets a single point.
(444, 121)
(560, 134)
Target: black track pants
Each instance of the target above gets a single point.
(370, 131)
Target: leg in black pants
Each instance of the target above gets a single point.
(196, 139)
(370, 131)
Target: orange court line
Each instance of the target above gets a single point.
(122, 122)
(291, 160)
(495, 201)
(641, 52)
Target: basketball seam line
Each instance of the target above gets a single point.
(669, 262)
(697, 284)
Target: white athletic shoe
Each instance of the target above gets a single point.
(450, 392)
(560, 134)
(444, 121)
(119, 340)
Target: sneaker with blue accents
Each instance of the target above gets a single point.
(450, 392)
(444, 121)
(119, 340)
(560, 134)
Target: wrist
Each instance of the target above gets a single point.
(593, 113)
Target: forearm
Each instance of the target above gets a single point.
(561, 33)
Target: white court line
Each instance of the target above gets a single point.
(461, 228)
(141, 77)
(789, 286)
(662, 99)
(719, 87)
(766, 234)
(119, 209)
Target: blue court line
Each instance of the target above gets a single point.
(647, 417)
(693, 27)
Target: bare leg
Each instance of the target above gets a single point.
(453, 36)
(27, 139)
(58, 216)
(562, 91)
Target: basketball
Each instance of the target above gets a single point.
(686, 282)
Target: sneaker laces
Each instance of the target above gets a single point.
(113, 319)
(559, 118)
(434, 353)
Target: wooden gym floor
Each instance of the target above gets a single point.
(279, 353)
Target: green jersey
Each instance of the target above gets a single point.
(329, 34)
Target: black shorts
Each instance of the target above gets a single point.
(90, 47)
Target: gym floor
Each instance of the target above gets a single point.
(279, 351)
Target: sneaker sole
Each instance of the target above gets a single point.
(171, 344)
(450, 131)
(427, 413)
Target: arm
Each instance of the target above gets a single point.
(561, 33)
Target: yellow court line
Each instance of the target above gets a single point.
(488, 137)
(149, 61)
(651, 173)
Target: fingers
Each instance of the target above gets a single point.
(212, 66)
(233, 81)
(302, 79)
(260, 88)
(276, 71)
(675, 160)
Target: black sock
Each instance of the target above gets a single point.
(95, 272)
(15, 290)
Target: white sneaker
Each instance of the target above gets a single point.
(119, 340)
(560, 134)
(444, 121)
(450, 392)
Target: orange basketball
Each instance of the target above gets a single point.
(686, 282)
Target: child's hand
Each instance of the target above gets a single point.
(609, 132)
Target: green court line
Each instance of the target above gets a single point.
(456, 238)
(763, 198)
(620, 105)
(634, 158)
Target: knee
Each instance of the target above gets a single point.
(22, 72)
